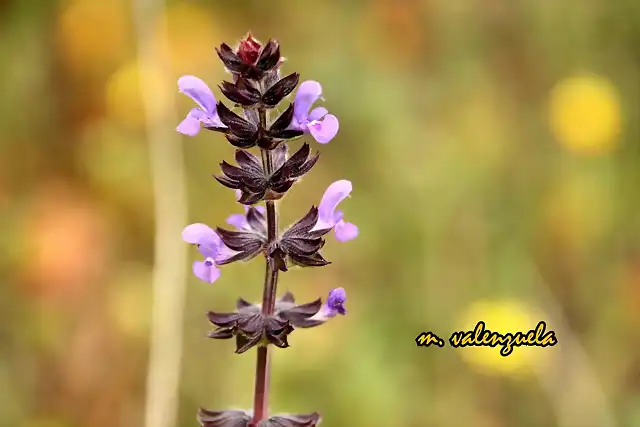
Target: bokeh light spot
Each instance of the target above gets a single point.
(93, 34)
(585, 114)
(187, 34)
(67, 241)
(124, 94)
(389, 32)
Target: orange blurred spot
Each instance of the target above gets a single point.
(93, 34)
(392, 31)
(66, 239)
(629, 292)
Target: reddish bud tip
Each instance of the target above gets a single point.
(249, 49)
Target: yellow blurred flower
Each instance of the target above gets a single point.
(93, 34)
(187, 35)
(502, 316)
(585, 114)
(124, 95)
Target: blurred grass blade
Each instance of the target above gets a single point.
(165, 354)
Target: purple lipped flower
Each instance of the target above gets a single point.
(210, 246)
(329, 217)
(205, 114)
(334, 306)
(321, 125)
(335, 301)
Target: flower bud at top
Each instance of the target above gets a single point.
(249, 49)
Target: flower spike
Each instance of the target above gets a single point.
(266, 167)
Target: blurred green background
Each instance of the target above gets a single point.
(493, 147)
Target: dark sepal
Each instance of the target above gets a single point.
(247, 244)
(248, 161)
(292, 420)
(236, 125)
(249, 177)
(253, 182)
(242, 92)
(240, 132)
(278, 131)
(246, 342)
(281, 89)
(269, 57)
(231, 60)
(300, 244)
(315, 260)
(277, 258)
(292, 169)
(277, 330)
(250, 328)
(243, 304)
(299, 315)
(302, 228)
(239, 142)
(208, 418)
(250, 198)
(279, 156)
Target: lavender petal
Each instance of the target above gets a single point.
(239, 221)
(206, 270)
(307, 94)
(324, 130)
(190, 126)
(195, 233)
(345, 231)
(335, 193)
(317, 113)
(198, 90)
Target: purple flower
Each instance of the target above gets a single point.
(210, 246)
(329, 217)
(335, 301)
(322, 126)
(334, 305)
(206, 114)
